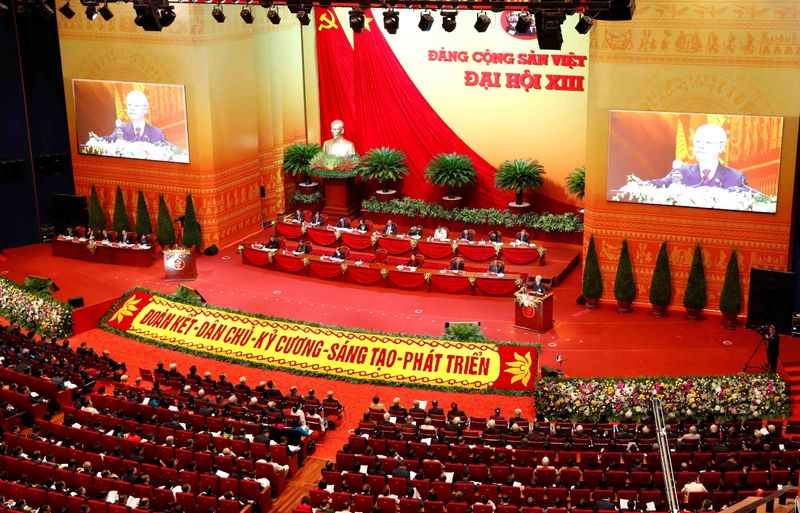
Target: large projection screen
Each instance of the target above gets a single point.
(716, 161)
(131, 120)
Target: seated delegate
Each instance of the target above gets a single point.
(302, 248)
(317, 219)
(415, 231)
(440, 233)
(390, 228)
(497, 267)
(412, 261)
(362, 226)
(494, 236)
(343, 222)
(457, 264)
(465, 235)
(272, 243)
(339, 253)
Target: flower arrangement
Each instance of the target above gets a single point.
(374, 238)
(97, 145)
(306, 261)
(177, 252)
(303, 229)
(240, 249)
(523, 299)
(735, 396)
(542, 251)
(344, 267)
(637, 190)
(37, 312)
(270, 257)
(427, 277)
(518, 282)
(454, 245)
(384, 272)
(298, 198)
(413, 243)
(331, 166)
(472, 280)
(337, 234)
(92, 246)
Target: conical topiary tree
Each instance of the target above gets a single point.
(730, 299)
(624, 285)
(191, 228)
(120, 214)
(143, 224)
(694, 299)
(97, 218)
(661, 283)
(592, 287)
(165, 232)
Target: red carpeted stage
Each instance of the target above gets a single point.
(591, 343)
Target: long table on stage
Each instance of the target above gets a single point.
(475, 251)
(386, 275)
(109, 253)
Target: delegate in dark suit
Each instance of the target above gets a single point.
(390, 229)
(497, 267)
(457, 264)
(692, 176)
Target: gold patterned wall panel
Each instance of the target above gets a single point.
(706, 57)
(244, 99)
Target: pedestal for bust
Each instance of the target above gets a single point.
(341, 198)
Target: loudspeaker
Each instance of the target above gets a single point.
(262, 191)
(69, 210)
(76, 302)
(771, 299)
(211, 250)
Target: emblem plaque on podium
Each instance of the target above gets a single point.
(179, 265)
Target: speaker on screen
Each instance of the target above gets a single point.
(76, 302)
(211, 250)
(771, 299)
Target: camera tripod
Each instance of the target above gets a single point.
(763, 368)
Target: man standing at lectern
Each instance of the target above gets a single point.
(338, 146)
(537, 287)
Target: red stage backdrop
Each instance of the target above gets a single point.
(324, 351)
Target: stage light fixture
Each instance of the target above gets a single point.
(303, 18)
(483, 22)
(67, 11)
(247, 15)
(524, 23)
(44, 10)
(449, 20)
(147, 15)
(91, 12)
(274, 16)
(425, 21)
(4, 7)
(548, 29)
(584, 25)
(356, 19)
(218, 14)
(391, 21)
(105, 12)
(167, 15)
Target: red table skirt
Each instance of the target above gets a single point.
(435, 250)
(374, 275)
(395, 246)
(477, 253)
(520, 256)
(356, 241)
(103, 254)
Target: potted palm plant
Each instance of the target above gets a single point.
(592, 287)
(624, 285)
(661, 284)
(385, 166)
(576, 182)
(694, 298)
(453, 171)
(519, 175)
(296, 162)
(730, 299)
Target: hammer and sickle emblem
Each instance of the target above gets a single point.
(327, 21)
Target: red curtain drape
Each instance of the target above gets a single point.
(289, 263)
(255, 257)
(328, 270)
(450, 284)
(520, 256)
(477, 253)
(496, 286)
(321, 237)
(392, 112)
(406, 280)
(336, 77)
(289, 230)
(364, 275)
(394, 246)
(435, 250)
(355, 241)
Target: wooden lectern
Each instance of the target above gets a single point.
(179, 265)
(341, 198)
(535, 317)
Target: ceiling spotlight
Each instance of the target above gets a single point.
(274, 16)
(391, 21)
(524, 23)
(483, 22)
(584, 25)
(425, 21)
(247, 15)
(167, 16)
(356, 20)
(91, 12)
(449, 20)
(302, 16)
(105, 12)
(218, 14)
(67, 11)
